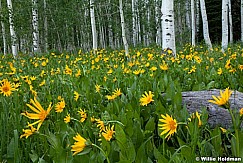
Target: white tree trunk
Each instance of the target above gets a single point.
(148, 33)
(225, 24)
(241, 17)
(193, 23)
(45, 28)
(12, 31)
(168, 29)
(3, 33)
(230, 22)
(35, 26)
(205, 24)
(187, 8)
(179, 23)
(197, 16)
(139, 37)
(110, 32)
(158, 24)
(123, 28)
(93, 25)
(134, 28)
(4, 38)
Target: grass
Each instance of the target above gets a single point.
(137, 135)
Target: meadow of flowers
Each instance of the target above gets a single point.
(108, 107)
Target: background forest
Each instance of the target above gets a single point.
(66, 25)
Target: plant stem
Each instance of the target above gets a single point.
(236, 134)
(163, 152)
(108, 161)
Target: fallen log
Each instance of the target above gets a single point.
(217, 116)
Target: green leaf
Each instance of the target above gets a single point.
(85, 151)
(34, 157)
(141, 154)
(105, 145)
(130, 151)
(217, 141)
(150, 125)
(10, 149)
(16, 147)
(186, 151)
(97, 157)
(41, 160)
(120, 135)
(138, 135)
(158, 156)
(124, 161)
(177, 101)
(210, 85)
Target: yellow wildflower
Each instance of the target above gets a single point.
(42, 83)
(67, 70)
(76, 95)
(97, 88)
(79, 145)
(146, 98)
(28, 132)
(109, 97)
(241, 111)
(6, 87)
(220, 71)
(198, 116)
(224, 99)
(83, 115)
(40, 114)
(67, 119)
(228, 64)
(78, 73)
(60, 106)
(153, 68)
(108, 133)
(223, 130)
(163, 66)
(169, 126)
(117, 92)
(100, 125)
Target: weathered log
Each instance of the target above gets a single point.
(217, 116)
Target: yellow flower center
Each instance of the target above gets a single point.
(6, 88)
(149, 99)
(172, 125)
(42, 115)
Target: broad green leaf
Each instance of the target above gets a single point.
(158, 156)
(150, 125)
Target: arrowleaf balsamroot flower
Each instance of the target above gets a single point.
(40, 114)
(109, 97)
(83, 115)
(117, 92)
(97, 88)
(169, 126)
(198, 116)
(146, 98)
(76, 95)
(223, 129)
(79, 145)
(6, 87)
(67, 119)
(60, 106)
(224, 99)
(100, 124)
(241, 112)
(28, 132)
(108, 132)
